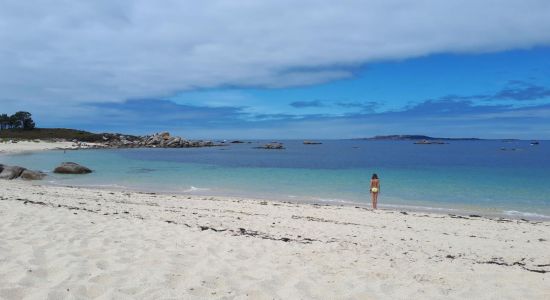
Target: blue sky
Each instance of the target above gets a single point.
(391, 86)
(457, 69)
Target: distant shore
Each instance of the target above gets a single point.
(12, 147)
(84, 139)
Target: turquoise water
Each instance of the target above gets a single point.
(468, 175)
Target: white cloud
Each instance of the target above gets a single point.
(78, 51)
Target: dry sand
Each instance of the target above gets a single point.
(7, 147)
(75, 243)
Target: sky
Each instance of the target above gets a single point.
(280, 69)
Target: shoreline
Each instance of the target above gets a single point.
(478, 211)
(22, 147)
(78, 242)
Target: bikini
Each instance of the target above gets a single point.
(374, 189)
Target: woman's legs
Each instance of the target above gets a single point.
(375, 200)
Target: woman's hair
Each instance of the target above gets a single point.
(374, 176)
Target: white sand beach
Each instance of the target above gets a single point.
(234, 149)
(76, 243)
(9, 147)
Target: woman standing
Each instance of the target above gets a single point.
(374, 190)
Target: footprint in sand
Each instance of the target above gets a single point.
(102, 265)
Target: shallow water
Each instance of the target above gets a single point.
(465, 175)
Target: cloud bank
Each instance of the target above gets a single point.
(521, 91)
(443, 117)
(305, 104)
(59, 52)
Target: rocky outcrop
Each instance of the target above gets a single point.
(157, 140)
(312, 143)
(270, 146)
(13, 172)
(71, 168)
(32, 175)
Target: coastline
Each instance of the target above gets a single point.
(92, 243)
(398, 204)
(480, 211)
(18, 147)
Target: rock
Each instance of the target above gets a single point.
(237, 142)
(155, 139)
(11, 172)
(312, 143)
(32, 175)
(174, 142)
(272, 146)
(126, 142)
(71, 168)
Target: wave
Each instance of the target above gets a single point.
(515, 213)
(337, 201)
(96, 186)
(107, 186)
(195, 189)
(510, 213)
(416, 207)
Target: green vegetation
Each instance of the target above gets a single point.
(19, 120)
(20, 126)
(50, 133)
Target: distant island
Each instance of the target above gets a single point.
(407, 137)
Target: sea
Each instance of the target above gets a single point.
(491, 177)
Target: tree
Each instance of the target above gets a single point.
(13, 122)
(20, 119)
(4, 121)
(29, 124)
(23, 120)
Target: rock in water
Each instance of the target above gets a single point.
(71, 168)
(273, 145)
(11, 172)
(32, 175)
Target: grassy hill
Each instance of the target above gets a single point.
(50, 133)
